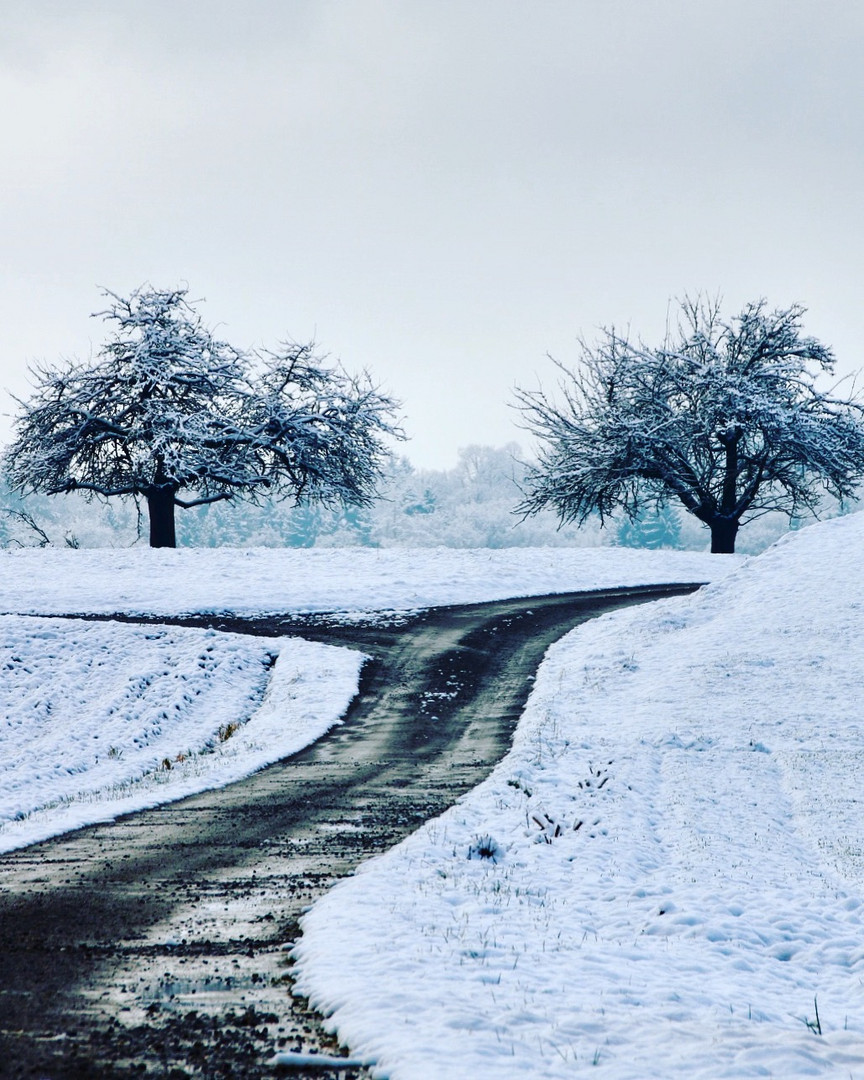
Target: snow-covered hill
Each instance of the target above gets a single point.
(665, 878)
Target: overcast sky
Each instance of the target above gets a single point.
(442, 191)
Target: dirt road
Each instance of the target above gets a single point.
(159, 945)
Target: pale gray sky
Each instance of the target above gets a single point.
(442, 191)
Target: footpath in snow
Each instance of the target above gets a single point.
(99, 719)
(663, 879)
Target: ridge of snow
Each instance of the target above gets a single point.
(103, 718)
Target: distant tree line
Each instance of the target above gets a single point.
(727, 420)
(467, 506)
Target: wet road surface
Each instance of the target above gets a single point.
(159, 945)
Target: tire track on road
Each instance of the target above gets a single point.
(159, 944)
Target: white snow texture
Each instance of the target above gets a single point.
(101, 718)
(663, 879)
(256, 581)
(677, 850)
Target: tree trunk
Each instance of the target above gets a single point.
(723, 533)
(160, 510)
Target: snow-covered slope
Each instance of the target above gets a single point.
(101, 718)
(665, 878)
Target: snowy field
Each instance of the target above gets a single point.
(101, 719)
(257, 581)
(664, 878)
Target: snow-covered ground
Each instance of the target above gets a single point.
(664, 878)
(258, 581)
(101, 719)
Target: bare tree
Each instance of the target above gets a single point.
(166, 408)
(725, 417)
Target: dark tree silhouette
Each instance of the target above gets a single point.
(166, 408)
(725, 417)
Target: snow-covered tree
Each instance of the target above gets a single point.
(166, 408)
(467, 506)
(725, 417)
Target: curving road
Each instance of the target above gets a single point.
(158, 945)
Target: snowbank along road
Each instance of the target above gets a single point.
(160, 944)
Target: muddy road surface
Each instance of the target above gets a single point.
(159, 945)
